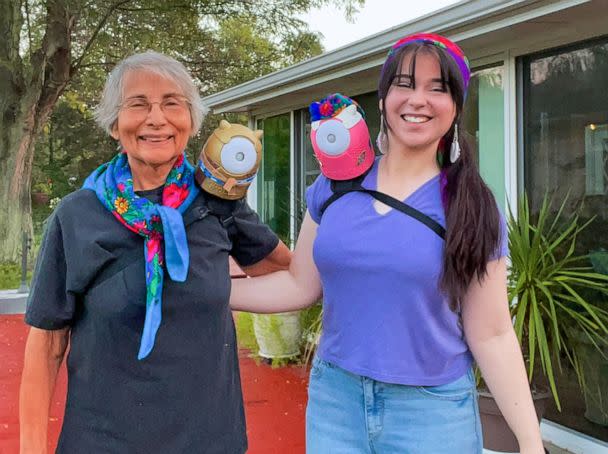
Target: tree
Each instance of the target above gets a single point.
(48, 44)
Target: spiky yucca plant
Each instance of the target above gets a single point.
(547, 285)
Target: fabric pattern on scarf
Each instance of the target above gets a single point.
(161, 225)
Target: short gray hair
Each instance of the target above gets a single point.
(106, 113)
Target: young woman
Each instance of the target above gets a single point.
(405, 311)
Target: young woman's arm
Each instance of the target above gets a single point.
(44, 352)
(491, 338)
(282, 291)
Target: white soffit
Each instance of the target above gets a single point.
(463, 21)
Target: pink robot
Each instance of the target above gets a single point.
(340, 138)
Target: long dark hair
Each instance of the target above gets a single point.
(472, 217)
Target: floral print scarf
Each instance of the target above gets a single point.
(161, 225)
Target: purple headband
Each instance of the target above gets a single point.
(436, 40)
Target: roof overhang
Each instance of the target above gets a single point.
(484, 28)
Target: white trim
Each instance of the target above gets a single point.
(292, 180)
(573, 441)
(552, 7)
(252, 191)
(458, 15)
(521, 128)
(510, 119)
(565, 438)
(495, 59)
(234, 104)
(594, 28)
(369, 52)
(12, 294)
(274, 113)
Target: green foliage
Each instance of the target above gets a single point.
(599, 260)
(70, 148)
(311, 331)
(244, 332)
(548, 288)
(222, 43)
(10, 276)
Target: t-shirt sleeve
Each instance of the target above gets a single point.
(253, 240)
(51, 305)
(503, 238)
(316, 195)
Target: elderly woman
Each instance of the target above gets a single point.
(133, 273)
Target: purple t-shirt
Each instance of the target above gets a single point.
(384, 316)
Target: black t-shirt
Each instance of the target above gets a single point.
(185, 397)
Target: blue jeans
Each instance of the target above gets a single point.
(352, 414)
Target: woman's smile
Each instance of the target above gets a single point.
(412, 118)
(155, 139)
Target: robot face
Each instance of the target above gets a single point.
(342, 144)
(229, 160)
(333, 136)
(238, 156)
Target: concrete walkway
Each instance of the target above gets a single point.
(275, 398)
(12, 302)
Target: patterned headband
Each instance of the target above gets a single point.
(436, 40)
(330, 106)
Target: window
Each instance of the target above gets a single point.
(369, 104)
(307, 167)
(274, 201)
(565, 105)
(483, 124)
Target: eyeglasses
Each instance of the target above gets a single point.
(171, 106)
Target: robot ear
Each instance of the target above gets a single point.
(350, 116)
(258, 133)
(314, 111)
(351, 109)
(224, 124)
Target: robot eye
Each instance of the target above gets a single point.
(238, 156)
(332, 137)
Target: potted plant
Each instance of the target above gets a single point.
(547, 287)
(279, 336)
(593, 357)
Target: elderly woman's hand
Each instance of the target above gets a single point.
(279, 259)
(44, 353)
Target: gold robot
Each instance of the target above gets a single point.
(229, 161)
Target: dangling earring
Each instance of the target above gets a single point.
(455, 148)
(382, 139)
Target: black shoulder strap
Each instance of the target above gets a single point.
(224, 210)
(341, 188)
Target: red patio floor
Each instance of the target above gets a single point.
(275, 399)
